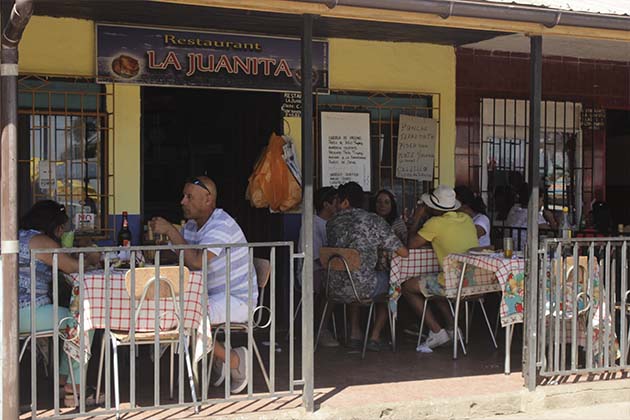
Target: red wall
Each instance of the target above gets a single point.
(596, 84)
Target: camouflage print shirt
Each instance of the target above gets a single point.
(367, 233)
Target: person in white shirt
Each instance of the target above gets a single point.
(476, 209)
(207, 224)
(326, 206)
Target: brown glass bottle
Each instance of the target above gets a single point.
(124, 234)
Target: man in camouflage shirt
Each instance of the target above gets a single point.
(353, 227)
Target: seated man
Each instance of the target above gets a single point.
(326, 203)
(448, 232)
(353, 227)
(209, 225)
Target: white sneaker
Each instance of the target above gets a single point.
(451, 333)
(326, 339)
(218, 368)
(239, 373)
(437, 339)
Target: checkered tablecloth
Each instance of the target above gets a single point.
(420, 261)
(96, 308)
(488, 269)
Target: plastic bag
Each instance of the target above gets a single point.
(272, 184)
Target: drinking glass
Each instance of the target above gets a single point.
(508, 247)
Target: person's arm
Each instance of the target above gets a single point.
(403, 251)
(66, 262)
(193, 258)
(413, 239)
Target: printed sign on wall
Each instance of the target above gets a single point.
(346, 148)
(162, 56)
(416, 148)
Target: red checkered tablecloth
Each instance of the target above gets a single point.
(419, 261)
(96, 309)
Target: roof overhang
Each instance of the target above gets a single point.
(475, 15)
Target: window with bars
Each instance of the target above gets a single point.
(504, 148)
(384, 109)
(63, 148)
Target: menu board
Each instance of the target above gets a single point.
(346, 148)
(416, 148)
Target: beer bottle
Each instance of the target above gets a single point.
(124, 234)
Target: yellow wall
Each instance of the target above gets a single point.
(400, 68)
(53, 46)
(66, 47)
(58, 47)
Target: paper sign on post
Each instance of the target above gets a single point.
(346, 148)
(416, 148)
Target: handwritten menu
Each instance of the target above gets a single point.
(416, 148)
(346, 148)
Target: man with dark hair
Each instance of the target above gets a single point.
(353, 227)
(326, 202)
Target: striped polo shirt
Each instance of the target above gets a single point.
(221, 228)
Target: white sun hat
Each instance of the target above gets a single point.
(443, 198)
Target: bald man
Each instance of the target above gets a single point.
(207, 224)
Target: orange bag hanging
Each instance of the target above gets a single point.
(271, 183)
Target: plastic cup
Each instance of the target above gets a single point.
(67, 239)
(508, 247)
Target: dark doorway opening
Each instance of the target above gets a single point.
(617, 168)
(189, 132)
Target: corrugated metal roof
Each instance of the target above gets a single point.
(609, 7)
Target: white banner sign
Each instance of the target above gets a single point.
(346, 148)
(416, 148)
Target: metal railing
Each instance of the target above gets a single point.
(176, 318)
(583, 305)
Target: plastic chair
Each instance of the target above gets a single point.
(263, 273)
(348, 260)
(145, 282)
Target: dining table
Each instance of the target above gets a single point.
(100, 300)
(483, 272)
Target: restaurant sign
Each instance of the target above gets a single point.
(169, 57)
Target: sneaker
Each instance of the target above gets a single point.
(451, 333)
(326, 339)
(218, 368)
(239, 373)
(437, 339)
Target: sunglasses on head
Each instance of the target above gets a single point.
(197, 181)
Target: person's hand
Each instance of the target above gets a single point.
(407, 215)
(160, 226)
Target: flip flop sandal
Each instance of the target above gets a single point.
(90, 398)
(355, 344)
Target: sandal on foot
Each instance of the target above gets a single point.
(90, 398)
(373, 345)
(355, 343)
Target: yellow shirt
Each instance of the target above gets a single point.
(451, 233)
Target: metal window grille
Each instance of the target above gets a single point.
(65, 129)
(503, 150)
(384, 109)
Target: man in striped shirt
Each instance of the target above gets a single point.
(211, 226)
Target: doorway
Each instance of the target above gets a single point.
(219, 133)
(617, 168)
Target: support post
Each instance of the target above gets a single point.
(11, 35)
(531, 286)
(307, 213)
